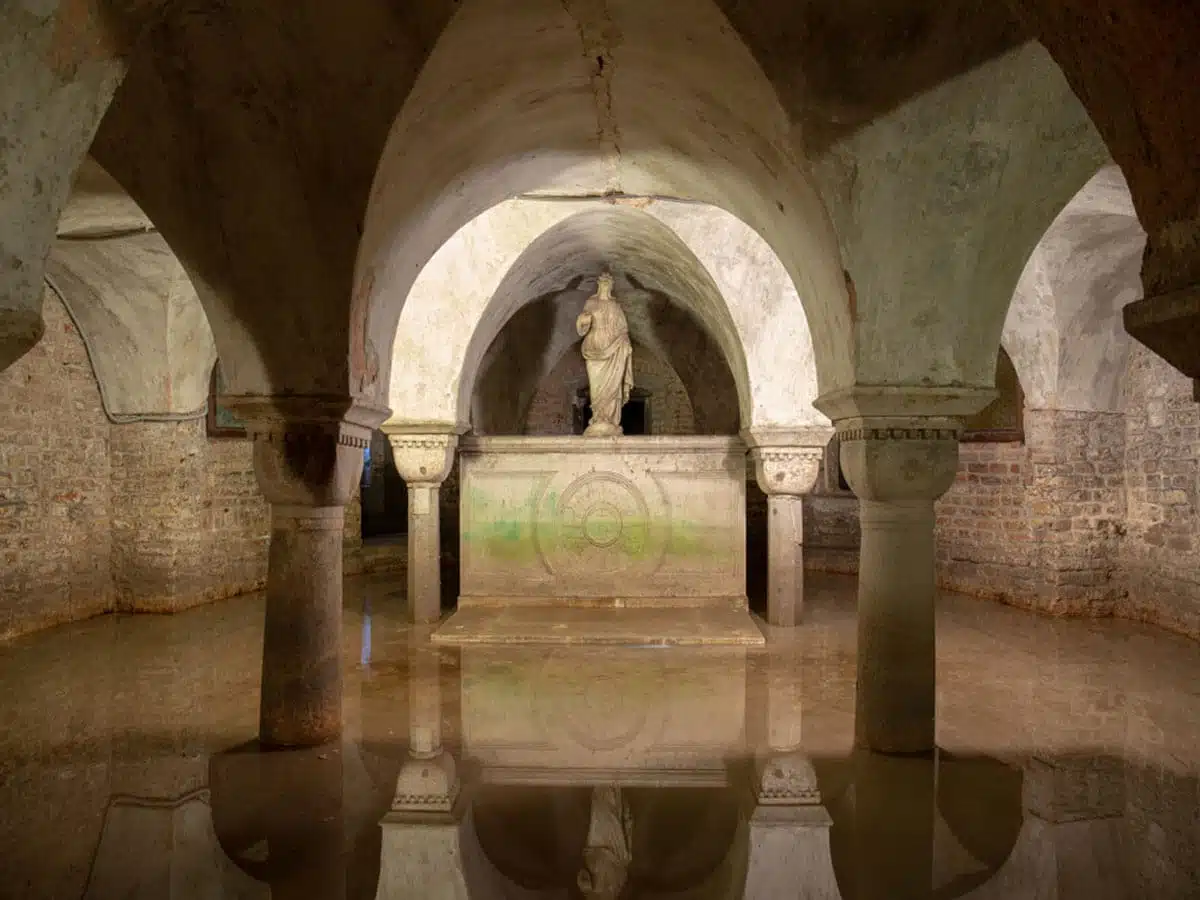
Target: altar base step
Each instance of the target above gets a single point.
(638, 626)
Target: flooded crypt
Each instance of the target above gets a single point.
(599, 449)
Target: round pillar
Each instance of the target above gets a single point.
(897, 469)
(307, 456)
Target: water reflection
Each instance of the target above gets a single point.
(606, 773)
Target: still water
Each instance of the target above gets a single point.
(1067, 768)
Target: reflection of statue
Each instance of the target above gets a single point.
(609, 357)
(607, 856)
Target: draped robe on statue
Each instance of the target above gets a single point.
(609, 356)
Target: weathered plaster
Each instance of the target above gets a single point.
(490, 119)
(57, 75)
(938, 205)
(1064, 329)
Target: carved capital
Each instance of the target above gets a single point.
(422, 457)
(308, 451)
(899, 459)
(427, 785)
(787, 470)
(786, 780)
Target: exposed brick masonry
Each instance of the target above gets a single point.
(152, 516)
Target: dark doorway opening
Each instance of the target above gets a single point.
(635, 414)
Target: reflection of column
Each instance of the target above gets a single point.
(893, 826)
(789, 832)
(786, 464)
(423, 460)
(1074, 837)
(164, 850)
(898, 468)
(307, 458)
(282, 818)
(428, 780)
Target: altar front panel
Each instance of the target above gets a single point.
(603, 521)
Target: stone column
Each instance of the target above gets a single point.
(786, 465)
(897, 468)
(307, 458)
(423, 459)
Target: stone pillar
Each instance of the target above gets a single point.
(307, 459)
(423, 459)
(897, 468)
(786, 465)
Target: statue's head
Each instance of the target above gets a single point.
(604, 285)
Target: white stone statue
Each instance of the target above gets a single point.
(609, 356)
(607, 856)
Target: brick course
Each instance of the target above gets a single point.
(96, 516)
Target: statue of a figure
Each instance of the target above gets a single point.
(607, 856)
(609, 356)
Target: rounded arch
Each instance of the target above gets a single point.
(645, 254)
(142, 323)
(1064, 329)
(590, 99)
(723, 275)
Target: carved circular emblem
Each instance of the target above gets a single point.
(600, 521)
(602, 524)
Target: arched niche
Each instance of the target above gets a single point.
(522, 383)
(723, 277)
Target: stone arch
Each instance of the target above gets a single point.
(584, 100)
(725, 277)
(141, 321)
(938, 204)
(1064, 328)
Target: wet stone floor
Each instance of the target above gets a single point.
(1068, 763)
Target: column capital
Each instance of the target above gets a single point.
(789, 471)
(427, 785)
(424, 452)
(307, 449)
(899, 460)
(786, 779)
(787, 461)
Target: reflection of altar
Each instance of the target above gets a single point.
(603, 715)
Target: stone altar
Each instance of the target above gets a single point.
(605, 522)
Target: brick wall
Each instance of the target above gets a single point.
(95, 516)
(55, 546)
(551, 410)
(1039, 524)
(1160, 553)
